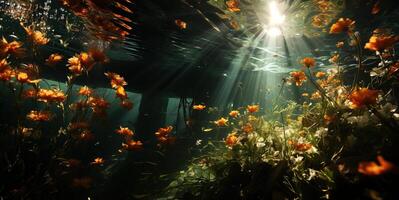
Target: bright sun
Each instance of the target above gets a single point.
(276, 20)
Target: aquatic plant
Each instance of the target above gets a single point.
(52, 127)
(336, 141)
(307, 150)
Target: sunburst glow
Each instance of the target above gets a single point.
(194, 99)
(276, 17)
(276, 20)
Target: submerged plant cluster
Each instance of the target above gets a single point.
(49, 126)
(338, 142)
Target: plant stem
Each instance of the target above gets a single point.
(391, 124)
(284, 150)
(283, 81)
(359, 62)
(322, 92)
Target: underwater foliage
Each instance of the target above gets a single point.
(322, 148)
(336, 138)
(48, 140)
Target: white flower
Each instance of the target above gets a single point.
(198, 142)
(252, 136)
(296, 159)
(379, 72)
(360, 121)
(313, 150)
(387, 110)
(321, 131)
(260, 142)
(312, 174)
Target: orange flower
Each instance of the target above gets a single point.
(167, 140)
(234, 113)
(363, 97)
(52, 95)
(6, 71)
(334, 59)
(98, 55)
(342, 25)
(340, 44)
(54, 59)
(253, 108)
(75, 66)
(116, 80)
(181, 24)
(324, 5)
(320, 74)
(98, 161)
(298, 77)
(374, 169)
(379, 43)
(98, 105)
(29, 93)
(85, 91)
(231, 139)
(300, 146)
(121, 93)
(308, 62)
(221, 122)
(163, 135)
(22, 77)
(80, 62)
(124, 131)
(86, 60)
(316, 95)
(4, 65)
(37, 37)
(39, 116)
(320, 20)
(199, 107)
(233, 5)
(132, 145)
(247, 128)
(163, 132)
(126, 104)
(13, 47)
(98, 102)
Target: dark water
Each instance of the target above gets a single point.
(198, 99)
